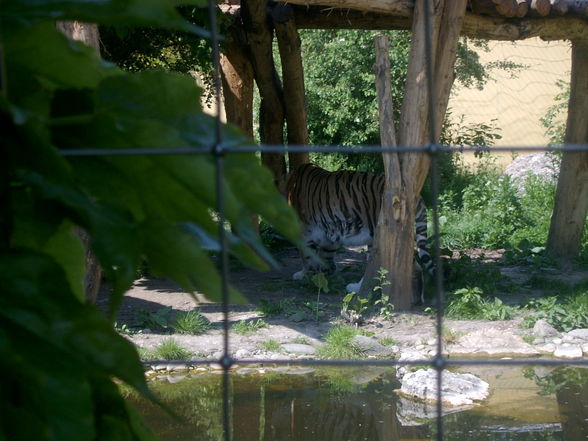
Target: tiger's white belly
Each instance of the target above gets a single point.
(332, 237)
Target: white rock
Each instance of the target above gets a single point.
(456, 389)
(568, 352)
(242, 353)
(543, 329)
(557, 341)
(491, 341)
(549, 348)
(298, 348)
(581, 334)
(567, 338)
(585, 348)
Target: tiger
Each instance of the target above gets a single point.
(341, 209)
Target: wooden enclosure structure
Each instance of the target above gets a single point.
(248, 57)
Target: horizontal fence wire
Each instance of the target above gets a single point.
(219, 148)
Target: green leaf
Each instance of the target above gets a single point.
(61, 63)
(160, 13)
(172, 251)
(320, 281)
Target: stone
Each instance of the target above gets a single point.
(580, 334)
(491, 341)
(567, 338)
(557, 341)
(298, 348)
(456, 389)
(370, 346)
(543, 329)
(242, 353)
(548, 348)
(568, 352)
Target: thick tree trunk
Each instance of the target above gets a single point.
(571, 199)
(237, 78)
(259, 36)
(87, 33)
(293, 78)
(407, 174)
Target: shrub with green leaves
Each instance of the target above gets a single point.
(468, 303)
(191, 322)
(564, 315)
(59, 356)
(249, 327)
(170, 349)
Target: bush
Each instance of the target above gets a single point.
(191, 322)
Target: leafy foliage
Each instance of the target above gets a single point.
(58, 354)
(468, 303)
(564, 315)
(554, 118)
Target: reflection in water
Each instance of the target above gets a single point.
(358, 404)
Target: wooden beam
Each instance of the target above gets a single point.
(497, 8)
(474, 26)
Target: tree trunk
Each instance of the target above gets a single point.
(237, 78)
(87, 33)
(571, 198)
(293, 77)
(259, 36)
(406, 174)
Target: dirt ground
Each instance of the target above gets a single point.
(415, 329)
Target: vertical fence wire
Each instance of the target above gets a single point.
(439, 361)
(217, 151)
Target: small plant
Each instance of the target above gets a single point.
(271, 345)
(159, 320)
(339, 344)
(354, 310)
(268, 308)
(245, 327)
(387, 341)
(385, 307)
(320, 281)
(571, 313)
(468, 303)
(124, 329)
(191, 322)
(170, 349)
(449, 335)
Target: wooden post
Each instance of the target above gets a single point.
(293, 79)
(571, 198)
(406, 177)
(260, 36)
(88, 34)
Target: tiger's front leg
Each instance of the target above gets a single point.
(320, 259)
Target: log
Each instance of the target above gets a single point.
(506, 8)
(559, 6)
(495, 8)
(293, 79)
(571, 197)
(541, 7)
(522, 8)
(271, 115)
(474, 26)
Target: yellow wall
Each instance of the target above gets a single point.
(517, 103)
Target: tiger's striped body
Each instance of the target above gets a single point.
(341, 209)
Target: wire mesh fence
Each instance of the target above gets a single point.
(440, 362)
